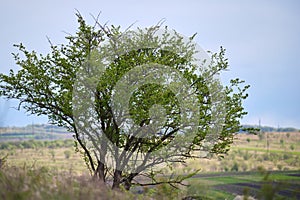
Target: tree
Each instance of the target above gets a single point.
(133, 99)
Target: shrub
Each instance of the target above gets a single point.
(67, 154)
(279, 166)
(235, 167)
(286, 156)
(281, 142)
(265, 157)
(226, 169)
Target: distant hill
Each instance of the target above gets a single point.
(52, 132)
(36, 131)
(272, 129)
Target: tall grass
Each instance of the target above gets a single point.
(30, 182)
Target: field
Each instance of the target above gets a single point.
(263, 165)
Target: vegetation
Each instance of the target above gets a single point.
(35, 144)
(272, 129)
(247, 169)
(30, 182)
(52, 85)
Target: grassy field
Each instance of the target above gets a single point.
(243, 171)
(260, 184)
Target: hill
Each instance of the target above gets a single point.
(272, 129)
(35, 131)
(51, 132)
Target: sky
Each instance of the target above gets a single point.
(261, 38)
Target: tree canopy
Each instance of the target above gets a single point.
(134, 99)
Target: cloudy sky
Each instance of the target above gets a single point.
(262, 39)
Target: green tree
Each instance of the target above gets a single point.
(57, 85)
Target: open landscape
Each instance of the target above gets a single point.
(262, 165)
(167, 100)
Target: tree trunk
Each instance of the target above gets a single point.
(128, 181)
(117, 179)
(99, 173)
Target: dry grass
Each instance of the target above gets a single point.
(30, 182)
(53, 158)
(249, 152)
(60, 173)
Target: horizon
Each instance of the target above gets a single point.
(251, 125)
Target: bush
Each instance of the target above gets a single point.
(265, 157)
(235, 167)
(279, 166)
(67, 154)
(287, 156)
(282, 142)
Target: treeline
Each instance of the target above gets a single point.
(31, 144)
(272, 129)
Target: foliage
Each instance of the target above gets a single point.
(45, 86)
(269, 188)
(3, 161)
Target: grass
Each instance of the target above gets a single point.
(56, 172)
(30, 182)
(220, 184)
(228, 180)
(265, 150)
(203, 189)
(53, 158)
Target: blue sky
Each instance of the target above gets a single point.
(262, 39)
